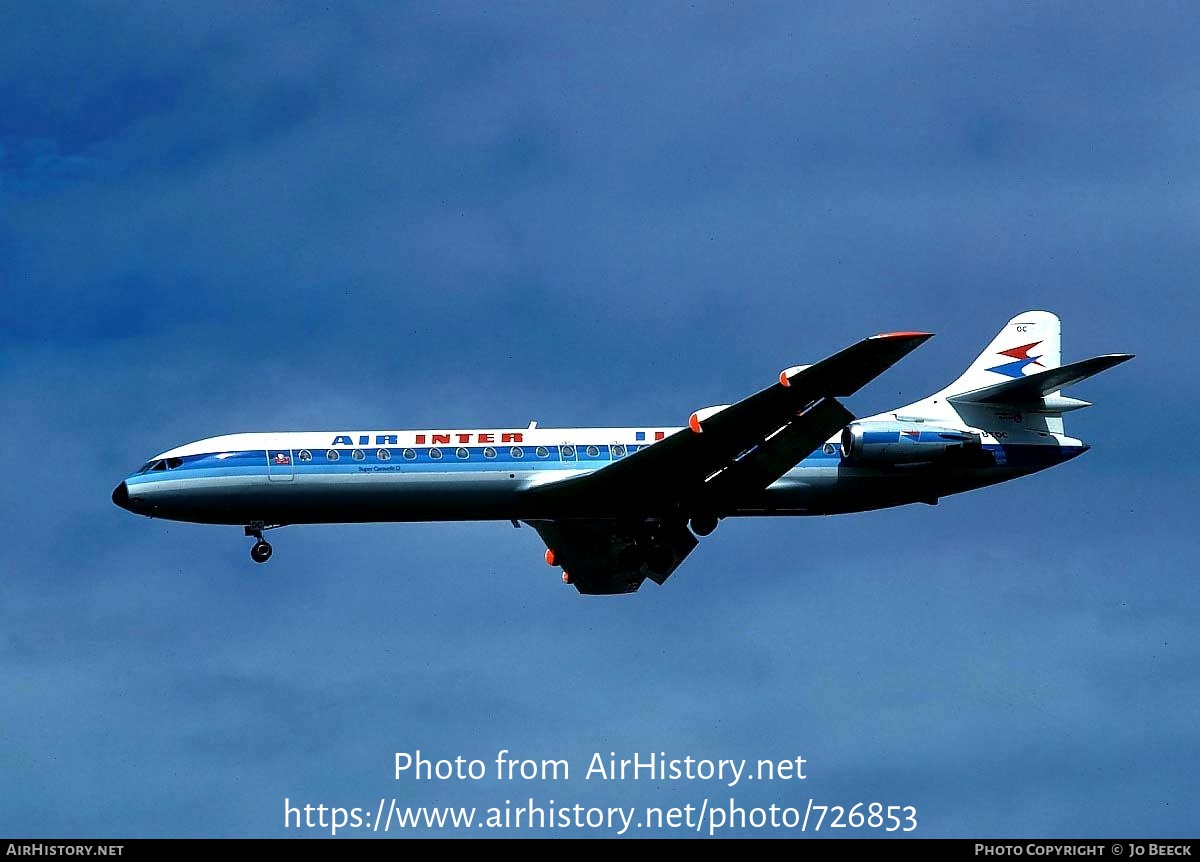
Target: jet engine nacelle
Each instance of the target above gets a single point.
(903, 443)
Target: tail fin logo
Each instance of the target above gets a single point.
(1021, 359)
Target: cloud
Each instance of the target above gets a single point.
(365, 217)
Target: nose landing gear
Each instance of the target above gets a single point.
(262, 550)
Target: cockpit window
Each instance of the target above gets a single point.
(172, 463)
(158, 465)
(146, 468)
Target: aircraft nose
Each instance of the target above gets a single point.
(120, 496)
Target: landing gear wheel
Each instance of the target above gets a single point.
(703, 525)
(630, 557)
(660, 559)
(261, 552)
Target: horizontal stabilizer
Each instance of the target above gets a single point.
(1035, 387)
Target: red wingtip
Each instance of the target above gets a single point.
(549, 557)
(912, 334)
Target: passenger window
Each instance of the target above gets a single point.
(618, 451)
(435, 453)
(358, 455)
(460, 452)
(568, 451)
(542, 452)
(489, 452)
(304, 455)
(333, 455)
(517, 452)
(409, 455)
(383, 455)
(592, 451)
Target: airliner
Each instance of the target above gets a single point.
(615, 506)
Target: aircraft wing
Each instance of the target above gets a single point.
(738, 446)
(599, 557)
(773, 457)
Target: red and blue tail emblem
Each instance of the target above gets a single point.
(1021, 359)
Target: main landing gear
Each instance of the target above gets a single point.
(703, 524)
(261, 551)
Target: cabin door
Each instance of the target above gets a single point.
(279, 465)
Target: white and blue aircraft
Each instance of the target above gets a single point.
(616, 506)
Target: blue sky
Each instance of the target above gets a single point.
(390, 216)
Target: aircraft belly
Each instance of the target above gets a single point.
(827, 491)
(332, 499)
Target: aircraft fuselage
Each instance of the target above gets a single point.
(350, 477)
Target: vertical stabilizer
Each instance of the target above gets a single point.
(1029, 343)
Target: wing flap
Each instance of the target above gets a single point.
(603, 558)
